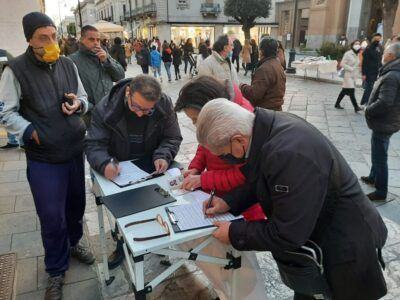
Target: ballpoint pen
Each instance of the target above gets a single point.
(209, 201)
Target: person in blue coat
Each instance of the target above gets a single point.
(155, 58)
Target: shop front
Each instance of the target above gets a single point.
(255, 33)
(195, 32)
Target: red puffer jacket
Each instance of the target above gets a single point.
(218, 175)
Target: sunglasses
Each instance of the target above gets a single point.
(159, 220)
(137, 108)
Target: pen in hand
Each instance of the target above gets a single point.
(209, 202)
(115, 162)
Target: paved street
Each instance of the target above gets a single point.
(20, 228)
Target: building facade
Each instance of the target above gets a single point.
(12, 36)
(177, 19)
(87, 12)
(67, 27)
(326, 20)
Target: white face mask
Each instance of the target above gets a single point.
(356, 47)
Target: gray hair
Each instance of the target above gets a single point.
(219, 120)
(146, 86)
(394, 49)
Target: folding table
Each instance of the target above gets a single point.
(135, 251)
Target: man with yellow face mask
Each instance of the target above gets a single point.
(41, 100)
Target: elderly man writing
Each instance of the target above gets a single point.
(310, 197)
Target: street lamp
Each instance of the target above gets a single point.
(292, 53)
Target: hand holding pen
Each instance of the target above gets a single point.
(113, 169)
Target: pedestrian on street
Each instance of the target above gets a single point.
(203, 54)
(176, 60)
(97, 69)
(268, 84)
(70, 46)
(218, 63)
(148, 130)
(383, 118)
(188, 51)
(12, 141)
(143, 58)
(167, 59)
(117, 52)
(371, 62)
(155, 57)
(237, 49)
(128, 52)
(281, 55)
(350, 64)
(42, 98)
(254, 56)
(246, 56)
(324, 234)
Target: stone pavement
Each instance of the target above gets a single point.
(20, 229)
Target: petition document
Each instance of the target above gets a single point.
(130, 173)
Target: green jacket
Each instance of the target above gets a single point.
(97, 78)
(5, 57)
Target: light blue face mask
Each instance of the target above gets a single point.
(230, 54)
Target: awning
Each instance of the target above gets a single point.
(107, 27)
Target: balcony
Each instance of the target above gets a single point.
(145, 11)
(210, 9)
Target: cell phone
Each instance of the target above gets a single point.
(66, 99)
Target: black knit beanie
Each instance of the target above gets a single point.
(33, 21)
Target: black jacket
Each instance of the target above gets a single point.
(166, 56)
(371, 63)
(177, 56)
(42, 89)
(118, 53)
(383, 110)
(107, 136)
(288, 172)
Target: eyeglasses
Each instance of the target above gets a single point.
(159, 220)
(137, 108)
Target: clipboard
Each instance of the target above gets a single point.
(175, 223)
(134, 201)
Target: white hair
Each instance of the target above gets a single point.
(394, 48)
(219, 120)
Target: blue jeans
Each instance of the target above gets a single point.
(167, 66)
(157, 70)
(379, 157)
(12, 139)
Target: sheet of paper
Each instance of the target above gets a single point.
(190, 216)
(174, 172)
(129, 173)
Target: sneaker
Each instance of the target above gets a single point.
(375, 197)
(54, 288)
(82, 254)
(367, 180)
(338, 106)
(9, 146)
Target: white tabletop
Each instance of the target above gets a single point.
(104, 187)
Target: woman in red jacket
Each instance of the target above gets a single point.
(207, 171)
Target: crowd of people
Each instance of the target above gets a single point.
(296, 192)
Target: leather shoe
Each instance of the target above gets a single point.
(374, 197)
(338, 106)
(367, 180)
(82, 254)
(54, 288)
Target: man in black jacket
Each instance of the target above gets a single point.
(307, 191)
(135, 121)
(383, 118)
(41, 98)
(371, 63)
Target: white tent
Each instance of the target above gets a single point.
(107, 27)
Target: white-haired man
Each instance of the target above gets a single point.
(308, 193)
(383, 118)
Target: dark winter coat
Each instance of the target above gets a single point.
(107, 136)
(289, 171)
(177, 56)
(371, 62)
(383, 110)
(118, 53)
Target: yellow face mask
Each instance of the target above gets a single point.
(51, 53)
